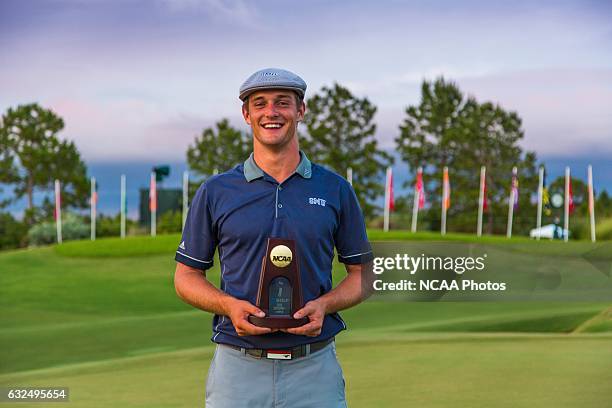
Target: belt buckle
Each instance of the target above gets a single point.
(278, 354)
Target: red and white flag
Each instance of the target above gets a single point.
(446, 189)
(420, 189)
(389, 200)
(485, 203)
(391, 197)
(571, 198)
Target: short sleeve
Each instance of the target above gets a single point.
(351, 237)
(199, 241)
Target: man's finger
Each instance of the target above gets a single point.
(305, 311)
(305, 329)
(254, 330)
(257, 312)
(254, 310)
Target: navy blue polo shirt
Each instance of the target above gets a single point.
(238, 211)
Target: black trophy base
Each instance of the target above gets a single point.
(277, 322)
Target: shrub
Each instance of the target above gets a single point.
(73, 227)
(171, 221)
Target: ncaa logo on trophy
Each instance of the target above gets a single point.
(281, 256)
(280, 291)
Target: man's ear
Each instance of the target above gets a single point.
(245, 114)
(301, 112)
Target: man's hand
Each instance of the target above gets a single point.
(238, 311)
(315, 311)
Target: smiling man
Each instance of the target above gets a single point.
(277, 192)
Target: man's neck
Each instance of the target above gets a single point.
(280, 164)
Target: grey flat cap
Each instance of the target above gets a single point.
(272, 78)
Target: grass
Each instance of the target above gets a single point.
(113, 247)
(167, 244)
(405, 370)
(112, 329)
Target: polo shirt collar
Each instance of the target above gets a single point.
(253, 172)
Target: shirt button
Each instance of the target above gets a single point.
(280, 206)
(280, 188)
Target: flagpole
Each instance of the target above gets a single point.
(122, 206)
(540, 192)
(415, 205)
(444, 198)
(92, 215)
(185, 195)
(58, 211)
(387, 200)
(153, 204)
(591, 202)
(483, 172)
(349, 175)
(566, 205)
(511, 204)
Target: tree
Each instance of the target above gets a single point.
(12, 232)
(8, 169)
(33, 156)
(341, 135)
(218, 149)
(603, 205)
(449, 129)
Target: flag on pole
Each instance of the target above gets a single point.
(446, 189)
(93, 204)
(389, 204)
(515, 184)
(591, 201)
(391, 197)
(419, 198)
(58, 201)
(94, 195)
(485, 204)
(58, 211)
(571, 197)
(540, 199)
(445, 200)
(512, 202)
(419, 188)
(567, 204)
(153, 194)
(153, 203)
(123, 206)
(546, 197)
(482, 199)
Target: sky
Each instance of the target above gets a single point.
(138, 80)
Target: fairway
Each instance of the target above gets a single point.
(112, 329)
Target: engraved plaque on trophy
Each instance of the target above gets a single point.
(280, 290)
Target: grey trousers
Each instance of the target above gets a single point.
(237, 380)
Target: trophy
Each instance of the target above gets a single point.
(280, 291)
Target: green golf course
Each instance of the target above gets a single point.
(102, 318)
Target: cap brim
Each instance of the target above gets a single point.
(245, 94)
